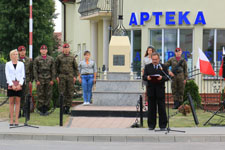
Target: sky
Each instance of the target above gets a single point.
(58, 23)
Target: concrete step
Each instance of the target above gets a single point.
(102, 98)
(118, 85)
(105, 111)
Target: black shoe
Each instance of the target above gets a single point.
(67, 110)
(151, 128)
(162, 129)
(10, 125)
(176, 105)
(64, 110)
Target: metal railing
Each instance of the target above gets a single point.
(89, 7)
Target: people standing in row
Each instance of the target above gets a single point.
(66, 73)
(87, 76)
(153, 74)
(28, 77)
(14, 71)
(44, 75)
(147, 60)
(179, 74)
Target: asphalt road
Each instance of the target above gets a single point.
(55, 145)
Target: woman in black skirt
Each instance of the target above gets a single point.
(15, 75)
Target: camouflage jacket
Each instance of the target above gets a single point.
(28, 68)
(183, 67)
(66, 65)
(44, 68)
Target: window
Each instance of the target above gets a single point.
(208, 44)
(135, 41)
(166, 40)
(213, 43)
(156, 40)
(170, 43)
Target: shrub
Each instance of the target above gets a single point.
(192, 88)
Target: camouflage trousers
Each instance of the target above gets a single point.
(178, 88)
(44, 93)
(25, 91)
(66, 87)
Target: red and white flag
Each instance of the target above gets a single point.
(204, 65)
(221, 66)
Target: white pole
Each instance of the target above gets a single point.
(31, 32)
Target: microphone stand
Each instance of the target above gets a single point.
(168, 110)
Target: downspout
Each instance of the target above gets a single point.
(64, 18)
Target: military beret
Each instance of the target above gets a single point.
(66, 45)
(20, 48)
(43, 47)
(178, 49)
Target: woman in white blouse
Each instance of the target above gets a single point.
(15, 75)
(147, 60)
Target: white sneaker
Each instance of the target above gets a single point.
(85, 103)
(88, 103)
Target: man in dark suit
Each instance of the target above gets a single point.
(153, 73)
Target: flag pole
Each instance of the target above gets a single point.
(31, 32)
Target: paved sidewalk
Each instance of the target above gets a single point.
(100, 122)
(210, 134)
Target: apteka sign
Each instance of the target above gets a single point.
(169, 18)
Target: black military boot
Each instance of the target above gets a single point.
(64, 110)
(68, 110)
(176, 105)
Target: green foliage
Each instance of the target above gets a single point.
(192, 88)
(14, 25)
(2, 60)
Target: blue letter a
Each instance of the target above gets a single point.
(133, 19)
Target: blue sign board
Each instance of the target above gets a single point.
(169, 18)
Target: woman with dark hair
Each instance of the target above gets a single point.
(147, 60)
(87, 76)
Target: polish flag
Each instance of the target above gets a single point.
(221, 66)
(204, 65)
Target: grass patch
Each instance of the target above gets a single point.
(78, 99)
(188, 121)
(35, 118)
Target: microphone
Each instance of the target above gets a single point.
(161, 68)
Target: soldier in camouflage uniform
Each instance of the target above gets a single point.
(28, 76)
(44, 74)
(179, 74)
(66, 71)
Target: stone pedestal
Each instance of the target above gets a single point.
(117, 90)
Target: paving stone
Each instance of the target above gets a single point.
(166, 138)
(102, 139)
(197, 138)
(212, 138)
(40, 137)
(118, 138)
(184, 138)
(70, 138)
(153, 139)
(54, 137)
(134, 139)
(85, 139)
(17, 137)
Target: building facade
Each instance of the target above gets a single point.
(164, 24)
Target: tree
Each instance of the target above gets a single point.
(14, 25)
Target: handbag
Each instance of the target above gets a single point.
(16, 83)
